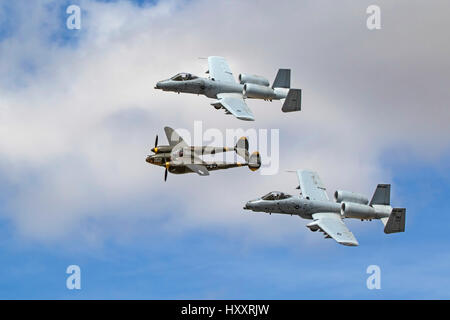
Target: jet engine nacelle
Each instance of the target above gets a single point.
(256, 91)
(362, 211)
(248, 78)
(357, 211)
(348, 196)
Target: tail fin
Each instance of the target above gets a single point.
(382, 195)
(254, 162)
(396, 221)
(283, 79)
(293, 101)
(241, 148)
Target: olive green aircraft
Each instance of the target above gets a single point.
(179, 158)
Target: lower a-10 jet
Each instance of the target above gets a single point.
(179, 158)
(327, 215)
(229, 95)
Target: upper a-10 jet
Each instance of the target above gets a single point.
(327, 215)
(229, 95)
(179, 158)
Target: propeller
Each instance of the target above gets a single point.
(155, 149)
(165, 173)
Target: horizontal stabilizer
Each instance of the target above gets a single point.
(396, 221)
(293, 101)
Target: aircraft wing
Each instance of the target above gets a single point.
(199, 169)
(174, 138)
(311, 185)
(219, 70)
(193, 162)
(235, 104)
(333, 226)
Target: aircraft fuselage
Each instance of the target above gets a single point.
(211, 88)
(178, 166)
(204, 86)
(303, 207)
(294, 206)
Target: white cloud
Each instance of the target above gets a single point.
(81, 122)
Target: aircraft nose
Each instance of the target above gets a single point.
(163, 84)
(250, 205)
(149, 159)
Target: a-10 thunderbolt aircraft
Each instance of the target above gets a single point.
(179, 158)
(327, 215)
(229, 95)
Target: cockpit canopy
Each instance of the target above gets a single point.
(276, 195)
(183, 77)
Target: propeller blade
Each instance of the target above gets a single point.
(165, 175)
(156, 141)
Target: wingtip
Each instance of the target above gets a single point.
(246, 118)
(349, 243)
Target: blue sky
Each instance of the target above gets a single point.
(208, 264)
(76, 200)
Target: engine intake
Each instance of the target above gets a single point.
(248, 78)
(348, 196)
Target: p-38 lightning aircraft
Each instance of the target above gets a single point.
(179, 158)
(327, 215)
(229, 94)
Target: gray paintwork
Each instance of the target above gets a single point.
(230, 94)
(328, 215)
(196, 85)
(293, 205)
